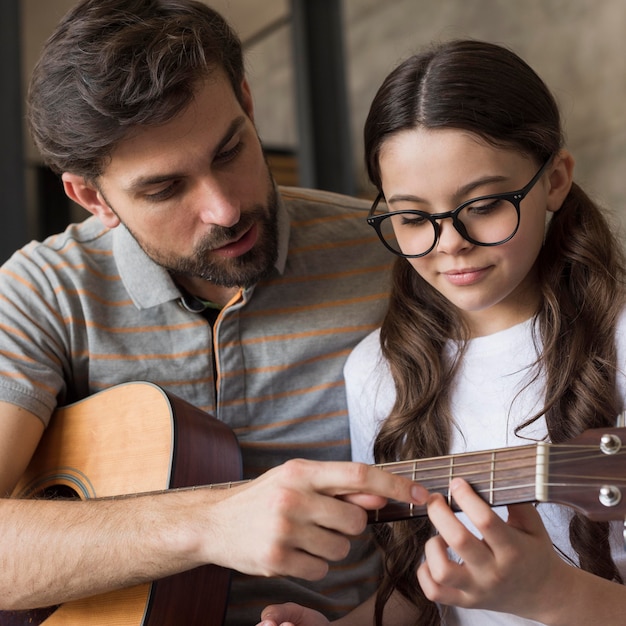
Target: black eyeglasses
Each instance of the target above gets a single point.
(485, 221)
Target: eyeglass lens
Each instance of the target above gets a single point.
(487, 221)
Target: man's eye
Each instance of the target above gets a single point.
(230, 154)
(162, 194)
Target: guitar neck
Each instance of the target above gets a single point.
(505, 476)
(587, 473)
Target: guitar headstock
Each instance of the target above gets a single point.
(588, 473)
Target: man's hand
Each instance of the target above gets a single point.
(297, 517)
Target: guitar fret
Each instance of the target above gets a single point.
(541, 472)
(492, 477)
(450, 477)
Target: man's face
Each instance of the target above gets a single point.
(196, 192)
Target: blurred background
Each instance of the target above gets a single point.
(314, 66)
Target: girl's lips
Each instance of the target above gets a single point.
(464, 277)
(240, 246)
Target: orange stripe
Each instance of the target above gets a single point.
(17, 357)
(168, 356)
(32, 288)
(138, 329)
(83, 267)
(37, 384)
(335, 246)
(286, 394)
(308, 333)
(292, 422)
(92, 296)
(281, 368)
(272, 445)
(332, 276)
(321, 305)
(339, 217)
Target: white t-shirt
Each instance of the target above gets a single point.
(490, 398)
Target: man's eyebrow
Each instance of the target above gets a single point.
(141, 182)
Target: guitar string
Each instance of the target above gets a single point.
(484, 467)
(440, 483)
(468, 469)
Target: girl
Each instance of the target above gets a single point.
(506, 326)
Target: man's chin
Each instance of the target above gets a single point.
(243, 271)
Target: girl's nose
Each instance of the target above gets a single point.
(450, 240)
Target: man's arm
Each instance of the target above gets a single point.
(290, 521)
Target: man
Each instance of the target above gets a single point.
(195, 273)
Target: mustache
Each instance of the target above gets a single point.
(221, 235)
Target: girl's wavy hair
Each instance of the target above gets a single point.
(112, 65)
(489, 91)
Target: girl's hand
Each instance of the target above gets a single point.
(291, 614)
(513, 568)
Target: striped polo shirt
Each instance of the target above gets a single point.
(87, 309)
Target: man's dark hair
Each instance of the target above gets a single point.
(112, 65)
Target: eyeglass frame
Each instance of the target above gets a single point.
(514, 197)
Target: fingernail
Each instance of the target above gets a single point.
(455, 483)
(419, 494)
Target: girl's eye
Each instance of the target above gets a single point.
(486, 207)
(411, 219)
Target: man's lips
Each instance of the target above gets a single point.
(241, 245)
(466, 276)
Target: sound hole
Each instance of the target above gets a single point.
(58, 492)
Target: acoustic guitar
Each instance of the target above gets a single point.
(133, 438)
(137, 438)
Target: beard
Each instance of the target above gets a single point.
(246, 269)
(242, 271)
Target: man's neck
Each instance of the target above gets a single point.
(205, 290)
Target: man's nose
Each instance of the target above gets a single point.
(219, 206)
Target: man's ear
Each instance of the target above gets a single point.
(89, 197)
(560, 179)
(246, 99)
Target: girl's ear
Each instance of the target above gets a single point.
(89, 197)
(560, 179)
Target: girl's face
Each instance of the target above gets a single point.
(435, 171)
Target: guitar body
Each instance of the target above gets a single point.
(134, 438)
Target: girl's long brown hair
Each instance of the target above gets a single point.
(489, 91)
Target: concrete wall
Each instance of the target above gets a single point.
(577, 46)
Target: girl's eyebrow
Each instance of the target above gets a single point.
(140, 182)
(462, 191)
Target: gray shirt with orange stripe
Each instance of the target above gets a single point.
(87, 309)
